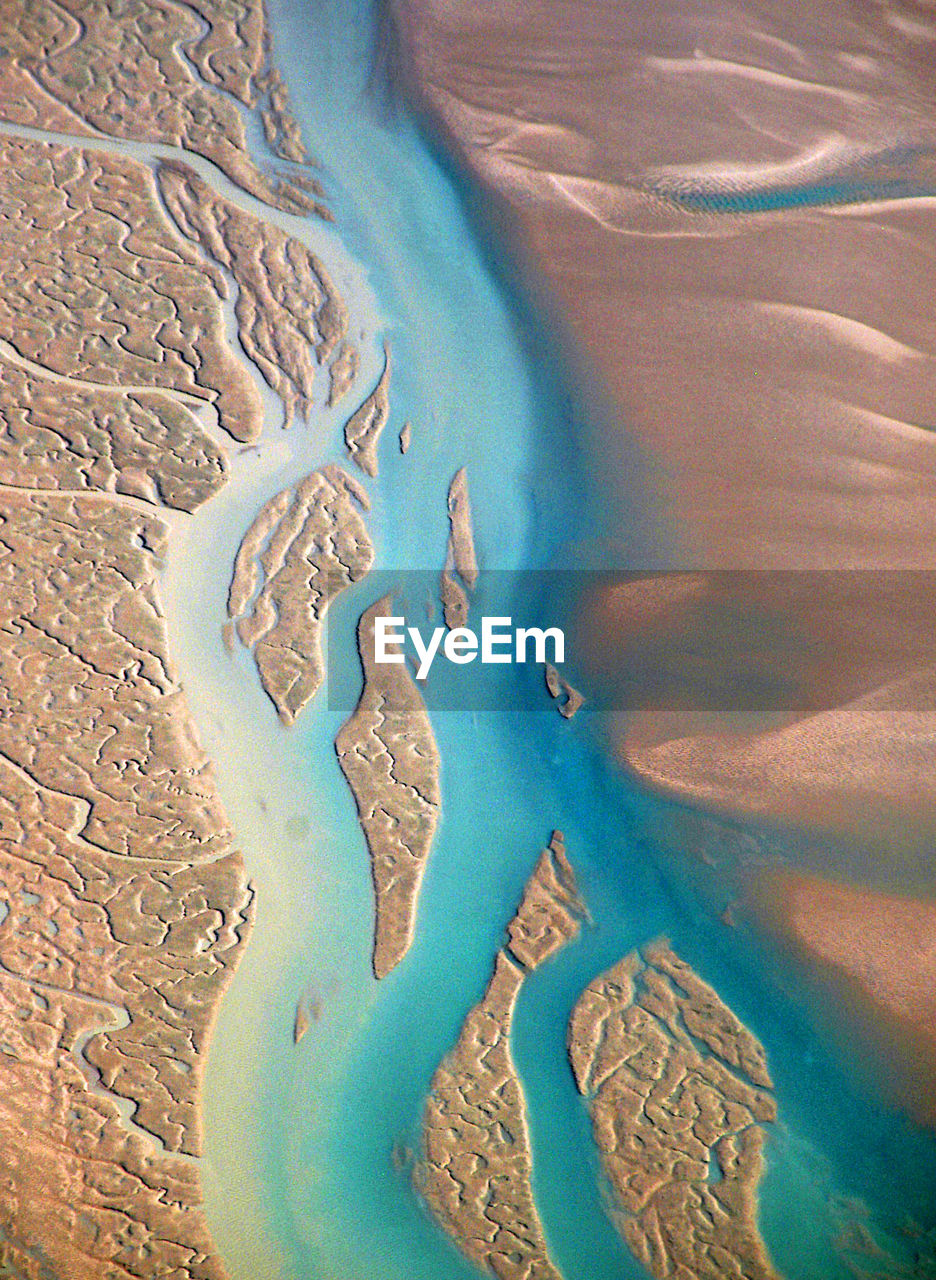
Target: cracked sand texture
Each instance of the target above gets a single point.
(122, 910)
(98, 286)
(388, 754)
(678, 1091)
(290, 317)
(115, 65)
(80, 620)
(461, 566)
(308, 544)
(120, 896)
(476, 1170)
(57, 436)
(364, 428)
(280, 127)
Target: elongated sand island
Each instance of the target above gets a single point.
(388, 754)
(475, 1171)
(460, 574)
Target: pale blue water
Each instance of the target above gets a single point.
(310, 1158)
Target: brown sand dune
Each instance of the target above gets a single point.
(877, 954)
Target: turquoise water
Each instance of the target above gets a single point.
(301, 1183)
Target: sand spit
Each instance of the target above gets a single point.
(550, 909)
(476, 1166)
(389, 757)
(875, 951)
(461, 566)
(120, 896)
(676, 1088)
(364, 427)
(568, 697)
(342, 371)
(289, 314)
(119, 254)
(302, 1022)
(307, 544)
(116, 71)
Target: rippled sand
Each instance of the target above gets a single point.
(728, 208)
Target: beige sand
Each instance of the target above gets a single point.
(54, 435)
(289, 315)
(568, 698)
(308, 545)
(764, 381)
(120, 254)
(675, 1083)
(875, 953)
(342, 372)
(460, 573)
(387, 752)
(112, 830)
(807, 696)
(476, 1168)
(365, 426)
(117, 70)
(125, 910)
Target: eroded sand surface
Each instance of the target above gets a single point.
(290, 317)
(475, 1172)
(364, 427)
(305, 546)
(115, 70)
(82, 234)
(387, 752)
(678, 1090)
(124, 908)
